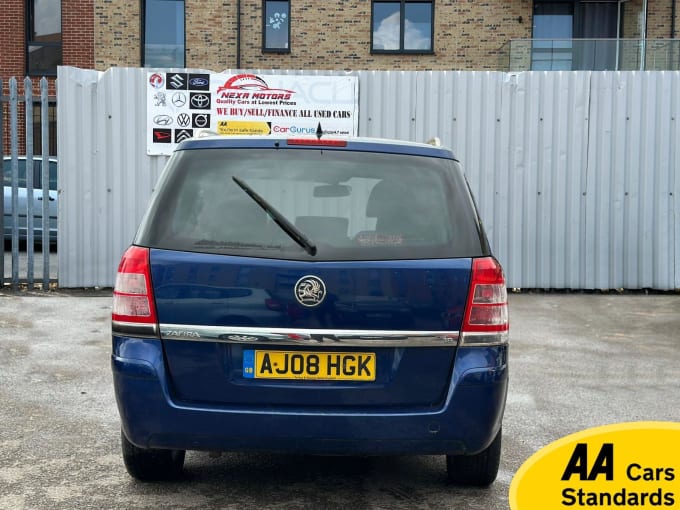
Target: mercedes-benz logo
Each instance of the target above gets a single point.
(179, 99)
(310, 291)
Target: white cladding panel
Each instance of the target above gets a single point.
(574, 173)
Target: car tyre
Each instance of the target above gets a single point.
(151, 464)
(479, 469)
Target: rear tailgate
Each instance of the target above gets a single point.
(215, 312)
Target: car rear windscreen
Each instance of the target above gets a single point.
(350, 205)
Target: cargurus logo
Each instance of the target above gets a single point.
(302, 130)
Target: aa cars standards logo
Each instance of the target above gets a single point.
(628, 465)
(310, 291)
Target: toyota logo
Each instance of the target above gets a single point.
(200, 100)
(310, 291)
(179, 99)
(162, 120)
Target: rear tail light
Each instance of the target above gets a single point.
(133, 295)
(486, 313)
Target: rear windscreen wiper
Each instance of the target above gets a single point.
(293, 232)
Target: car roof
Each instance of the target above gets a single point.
(357, 144)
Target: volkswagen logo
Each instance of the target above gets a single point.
(162, 120)
(183, 120)
(310, 291)
(200, 101)
(179, 99)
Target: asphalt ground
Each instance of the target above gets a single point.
(577, 361)
(23, 258)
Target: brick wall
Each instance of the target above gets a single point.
(117, 33)
(77, 27)
(335, 34)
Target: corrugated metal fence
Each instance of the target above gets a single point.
(574, 172)
(23, 190)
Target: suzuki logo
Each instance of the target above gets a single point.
(176, 81)
(310, 291)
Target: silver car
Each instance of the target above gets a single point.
(37, 199)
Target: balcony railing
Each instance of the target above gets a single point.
(590, 55)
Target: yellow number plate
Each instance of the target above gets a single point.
(329, 366)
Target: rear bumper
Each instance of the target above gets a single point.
(466, 423)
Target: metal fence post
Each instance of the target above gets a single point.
(30, 206)
(2, 197)
(14, 153)
(45, 148)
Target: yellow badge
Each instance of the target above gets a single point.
(628, 465)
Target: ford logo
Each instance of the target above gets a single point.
(198, 82)
(310, 291)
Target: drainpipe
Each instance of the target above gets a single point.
(238, 34)
(673, 19)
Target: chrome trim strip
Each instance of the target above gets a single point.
(317, 337)
(134, 329)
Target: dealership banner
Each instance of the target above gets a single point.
(179, 105)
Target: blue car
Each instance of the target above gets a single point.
(22, 199)
(311, 295)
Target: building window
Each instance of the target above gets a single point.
(163, 33)
(43, 37)
(276, 26)
(402, 27)
(52, 126)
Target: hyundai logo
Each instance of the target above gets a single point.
(200, 100)
(162, 120)
(198, 82)
(310, 291)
